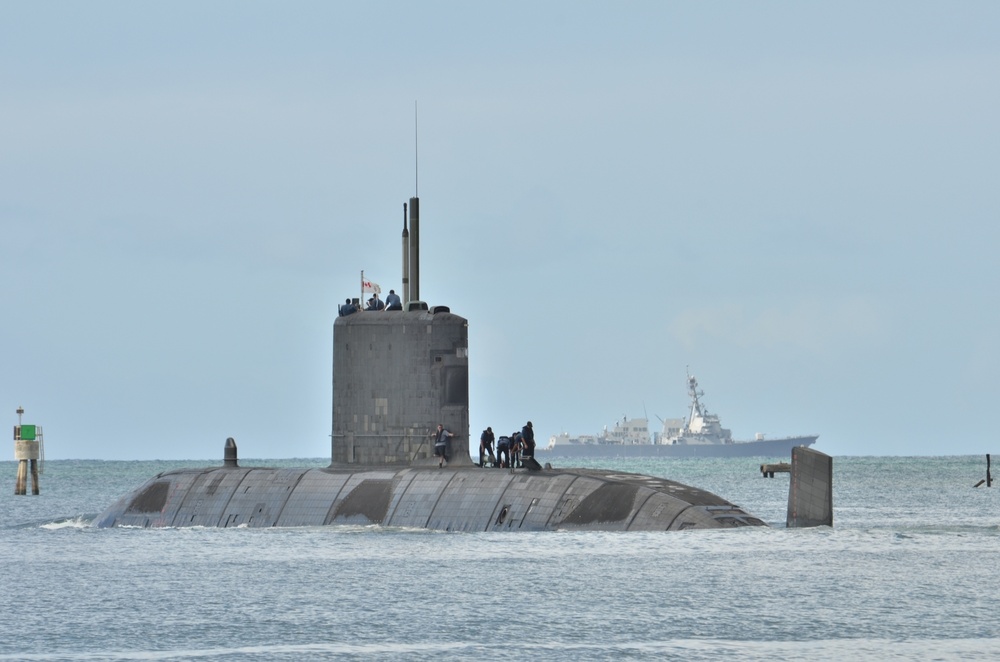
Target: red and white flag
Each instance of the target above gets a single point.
(369, 286)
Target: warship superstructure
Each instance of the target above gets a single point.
(699, 435)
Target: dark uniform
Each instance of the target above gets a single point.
(528, 448)
(441, 444)
(503, 451)
(486, 447)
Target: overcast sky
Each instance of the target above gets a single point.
(798, 201)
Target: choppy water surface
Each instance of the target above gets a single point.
(908, 571)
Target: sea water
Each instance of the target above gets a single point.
(908, 571)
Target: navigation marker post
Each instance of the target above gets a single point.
(27, 447)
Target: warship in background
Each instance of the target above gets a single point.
(699, 435)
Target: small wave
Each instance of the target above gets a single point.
(950, 530)
(74, 522)
(78, 522)
(354, 529)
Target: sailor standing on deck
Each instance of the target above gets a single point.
(528, 441)
(528, 448)
(441, 445)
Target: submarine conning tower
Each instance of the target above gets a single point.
(398, 374)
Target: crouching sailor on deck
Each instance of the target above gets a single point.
(486, 447)
(503, 452)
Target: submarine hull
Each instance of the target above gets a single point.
(448, 499)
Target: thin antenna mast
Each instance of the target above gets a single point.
(414, 264)
(416, 154)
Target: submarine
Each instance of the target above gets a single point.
(397, 375)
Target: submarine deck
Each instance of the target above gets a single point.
(449, 499)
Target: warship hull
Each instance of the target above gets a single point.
(773, 448)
